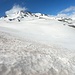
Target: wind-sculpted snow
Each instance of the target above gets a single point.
(23, 57)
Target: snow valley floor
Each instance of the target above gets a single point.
(36, 44)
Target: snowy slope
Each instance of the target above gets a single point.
(36, 44)
(43, 30)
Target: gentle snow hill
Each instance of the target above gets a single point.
(36, 44)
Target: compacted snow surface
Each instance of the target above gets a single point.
(36, 46)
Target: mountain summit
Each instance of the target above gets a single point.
(18, 13)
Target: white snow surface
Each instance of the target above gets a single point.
(36, 46)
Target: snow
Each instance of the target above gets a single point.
(44, 30)
(36, 46)
(28, 57)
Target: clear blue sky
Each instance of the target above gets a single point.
(43, 6)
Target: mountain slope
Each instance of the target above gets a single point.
(36, 44)
(20, 15)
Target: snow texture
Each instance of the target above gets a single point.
(24, 57)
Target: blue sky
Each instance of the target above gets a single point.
(51, 7)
